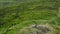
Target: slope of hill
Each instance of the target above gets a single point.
(14, 18)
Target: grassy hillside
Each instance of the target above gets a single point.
(14, 18)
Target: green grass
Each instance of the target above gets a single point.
(23, 15)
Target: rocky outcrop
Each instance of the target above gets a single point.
(40, 30)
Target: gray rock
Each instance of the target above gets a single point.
(42, 28)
